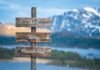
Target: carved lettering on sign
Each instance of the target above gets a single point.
(33, 51)
(33, 22)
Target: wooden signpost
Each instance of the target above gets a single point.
(40, 32)
(33, 22)
(32, 37)
(33, 51)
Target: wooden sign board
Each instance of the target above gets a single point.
(33, 51)
(33, 22)
(40, 30)
(33, 37)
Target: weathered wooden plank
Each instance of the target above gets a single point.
(33, 37)
(33, 51)
(33, 22)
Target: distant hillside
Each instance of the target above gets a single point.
(6, 53)
(7, 40)
(62, 39)
(10, 40)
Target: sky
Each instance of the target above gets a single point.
(10, 9)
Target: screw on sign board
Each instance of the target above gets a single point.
(33, 22)
(33, 37)
(33, 51)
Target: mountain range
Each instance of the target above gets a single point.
(83, 22)
(74, 28)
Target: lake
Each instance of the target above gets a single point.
(26, 66)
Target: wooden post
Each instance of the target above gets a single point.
(33, 30)
(33, 59)
(33, 12)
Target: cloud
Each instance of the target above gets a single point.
(13, 10)
(20, 10)
(47, 12)
(24, 11)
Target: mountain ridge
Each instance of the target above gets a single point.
(84, 22)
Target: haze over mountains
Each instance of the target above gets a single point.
(10, 30)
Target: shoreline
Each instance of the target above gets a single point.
(27, 59)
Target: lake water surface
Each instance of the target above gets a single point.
(26, 66)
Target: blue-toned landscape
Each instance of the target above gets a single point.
(75, 34)
(26, 66)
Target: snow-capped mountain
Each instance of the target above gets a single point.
(85, 22)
